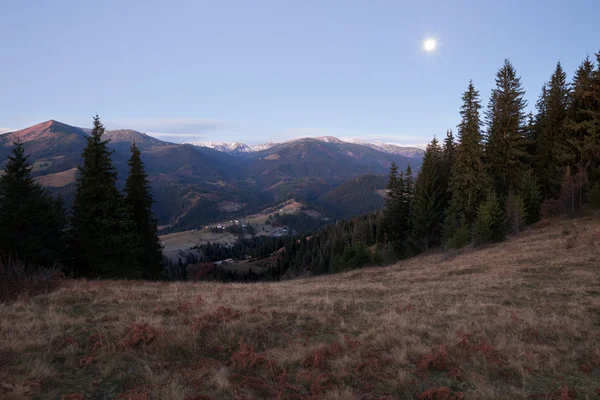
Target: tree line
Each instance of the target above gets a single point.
(506, 170)
(107, 234)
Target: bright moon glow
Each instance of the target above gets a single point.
(429, 45)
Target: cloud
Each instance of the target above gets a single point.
(5, 130)
(171, 126)
(177, 135)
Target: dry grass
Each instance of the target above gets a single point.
(518, 320)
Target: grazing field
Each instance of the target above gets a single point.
(517, 320)
(176, 242)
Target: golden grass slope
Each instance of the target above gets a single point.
(517, 320)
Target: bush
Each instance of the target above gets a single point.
(16, 280)
(490, 223)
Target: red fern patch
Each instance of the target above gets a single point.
(85, 361)
(73, 396)
(435, 360)
(139, 334)
(441, 393)
(134, 394)
(70, 341)
(96, 342)
(211, 320)
(564, 393)
(247, 357)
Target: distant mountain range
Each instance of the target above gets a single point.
(197, 183)
(237, 148)
(234, 147)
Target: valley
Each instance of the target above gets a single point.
(194, 185)
(176, 245)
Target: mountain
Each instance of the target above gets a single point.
(52, 146)
(124, 137)
(334, 161)
(413, 152)
(237, 148)
(194, 185)
(181, 176)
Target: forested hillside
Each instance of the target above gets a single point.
(503, 172)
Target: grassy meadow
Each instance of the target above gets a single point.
(516, 320)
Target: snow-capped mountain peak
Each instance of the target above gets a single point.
(233, 147)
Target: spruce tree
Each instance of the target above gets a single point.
(390, 212)
(102, 236)
(490, 226)
(448, 160)
(532, 198)
(139, 202)
(402, 243)
(32, 222)
(428, 208)
(590, 146)
(583, 119)
(530, 138)
(468, 177)
(505, 145)
(550, 134)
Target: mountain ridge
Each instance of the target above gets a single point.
(240, 148)
(191, 183)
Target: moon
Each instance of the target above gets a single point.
(429, 45)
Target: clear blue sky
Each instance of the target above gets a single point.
(262, 70)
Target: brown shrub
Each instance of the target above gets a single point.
(18, 280)
(541, 224)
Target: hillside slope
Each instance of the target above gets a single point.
(510, 321)
(358, 196)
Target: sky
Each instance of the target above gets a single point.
(270, 70)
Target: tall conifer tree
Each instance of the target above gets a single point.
(468, 178)
(584, 119)
(448, 160)
(102, 234)
(551, 137)
(505, 145)
(428, 208)
(139, 202)
(390, 212)
(32, 221)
